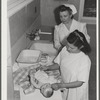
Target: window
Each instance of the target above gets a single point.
(87, 12)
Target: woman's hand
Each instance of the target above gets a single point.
(44, 68)
(57, 47)
(56, 86)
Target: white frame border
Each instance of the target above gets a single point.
(97, 54)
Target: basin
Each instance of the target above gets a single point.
(45, 47)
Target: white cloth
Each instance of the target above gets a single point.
(74, 67)
(61, 31)
(72, 7)
(44, 78)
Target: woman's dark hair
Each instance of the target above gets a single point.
(64, 8)
(78, 39)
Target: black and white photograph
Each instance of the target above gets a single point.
(52, 48)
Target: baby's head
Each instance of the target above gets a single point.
(76, 42)
(46, 90)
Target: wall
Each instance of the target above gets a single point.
(22, 19)
(47, 8)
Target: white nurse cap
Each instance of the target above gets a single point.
(72, 7)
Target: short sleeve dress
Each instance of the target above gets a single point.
(74, 67)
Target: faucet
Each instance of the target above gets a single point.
(37, 37)
(34, 35)
(31, 36)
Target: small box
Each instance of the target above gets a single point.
(28, 58)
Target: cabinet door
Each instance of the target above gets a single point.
(37, 8)
(30, 14)
(33, 10)
(17, 24)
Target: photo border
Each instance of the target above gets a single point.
(3, 49)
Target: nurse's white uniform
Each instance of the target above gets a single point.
(61, 31)
(74, 67)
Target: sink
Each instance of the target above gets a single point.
(45, 47)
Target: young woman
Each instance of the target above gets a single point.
(68, 25)
(74, 65)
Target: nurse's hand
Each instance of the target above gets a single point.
(44, 68)
(58, 47)
(56, 86)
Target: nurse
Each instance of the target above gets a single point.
(67, 25)
(74, 65)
